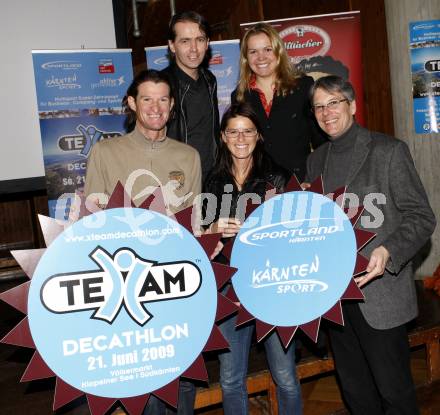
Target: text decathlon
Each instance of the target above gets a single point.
(125, 339)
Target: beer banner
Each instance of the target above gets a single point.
(224, 64)
(79, 95)
(424, 46)
(324, 45)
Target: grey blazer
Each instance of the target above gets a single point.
(383, 176)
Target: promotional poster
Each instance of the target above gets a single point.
(424, 44)
(325, 45)
(79, 97)
(225, 57)
(124, 306)
(290, 269)
(129, 309)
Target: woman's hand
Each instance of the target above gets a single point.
(228, 227)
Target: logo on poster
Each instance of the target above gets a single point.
(64, 65)
(163, 60)
(217, 58)
(85, 140)
(222, 73)
(425, 26)
(66, 82)
(433, 66)
(295, 256)
(126, 317)
(109, 83)
(266, 233)
(289, 278)
(303, 41)
(124, 279)
(106, 66)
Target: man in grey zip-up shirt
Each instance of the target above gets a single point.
(196, 117)
(146, 158)
(142, 160)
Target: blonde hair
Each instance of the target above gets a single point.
(286, 74)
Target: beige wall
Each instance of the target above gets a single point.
(425, 148)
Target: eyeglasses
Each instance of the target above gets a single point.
(248, 132)
(332, 105)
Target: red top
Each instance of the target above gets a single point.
(266, 105)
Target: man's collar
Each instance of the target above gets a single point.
(183, 76)
(140, 140)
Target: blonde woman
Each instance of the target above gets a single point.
(278, 94)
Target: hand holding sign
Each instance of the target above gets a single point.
(228, 227)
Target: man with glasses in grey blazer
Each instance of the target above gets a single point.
(371, 350)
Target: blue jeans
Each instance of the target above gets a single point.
(187, 396)
(234, 365)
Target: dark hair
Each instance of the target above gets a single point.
(188, 16)
(224, 162)
(332, 84)
(150, 75)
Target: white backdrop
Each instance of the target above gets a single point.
(40, 24)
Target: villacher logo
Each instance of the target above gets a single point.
(124, 279)
(303, 41)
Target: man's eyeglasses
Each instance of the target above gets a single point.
(331, 105)
(248, 132)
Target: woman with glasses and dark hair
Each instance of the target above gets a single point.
(278, 93)
(243, 167)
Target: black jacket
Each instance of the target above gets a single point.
(271, 174)
(178, 125)
(290, 130)
(257, 183)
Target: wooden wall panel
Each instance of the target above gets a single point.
(376, 74)
(245, 11)
(19, 227)
(16, 232)
(15, 222)
(41, 207)
(280, 9)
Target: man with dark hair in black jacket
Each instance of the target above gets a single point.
(195, 122)
(196, 116)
